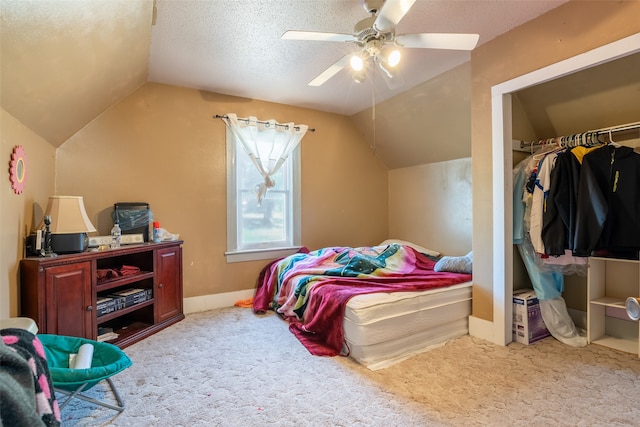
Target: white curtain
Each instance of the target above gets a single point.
(268, 144)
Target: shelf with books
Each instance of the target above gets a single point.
(128, 333)
(122, 311)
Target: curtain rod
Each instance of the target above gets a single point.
(596, 133)
(218, 116)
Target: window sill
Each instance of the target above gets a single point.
(260, 254)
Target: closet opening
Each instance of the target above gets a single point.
(516, 102)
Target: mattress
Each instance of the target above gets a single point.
(382, 329)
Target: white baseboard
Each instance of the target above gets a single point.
(210, 302)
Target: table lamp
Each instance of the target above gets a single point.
(68, 225)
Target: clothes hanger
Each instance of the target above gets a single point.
(548, 146)
(594, 139)
(611, 141)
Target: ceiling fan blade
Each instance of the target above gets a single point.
(438, 41)
(331, 71)
(391, 13)
(318, 36)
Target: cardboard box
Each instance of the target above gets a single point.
(528, 326)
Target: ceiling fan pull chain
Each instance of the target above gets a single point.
(373, 114)
(373, 105)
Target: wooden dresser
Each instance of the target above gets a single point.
(133, 291)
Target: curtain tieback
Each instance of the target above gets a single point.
(263, 187)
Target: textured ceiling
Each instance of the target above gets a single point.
(235, 47)
(65, 62)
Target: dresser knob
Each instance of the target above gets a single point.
(160, 285)
(90, 308)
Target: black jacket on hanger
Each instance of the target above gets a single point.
(559, 216)
(608, 201)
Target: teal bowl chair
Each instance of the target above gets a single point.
(107, 361)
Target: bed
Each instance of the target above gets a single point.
(378, 305)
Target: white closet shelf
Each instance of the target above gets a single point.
(609, 282)
(626, 345)
(609, 302)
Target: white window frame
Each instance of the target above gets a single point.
(233, 254)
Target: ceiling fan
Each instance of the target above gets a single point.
(378, 41)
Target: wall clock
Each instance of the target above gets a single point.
(18, 169)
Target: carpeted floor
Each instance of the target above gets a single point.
(229, 367)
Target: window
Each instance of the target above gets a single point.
(266, 229)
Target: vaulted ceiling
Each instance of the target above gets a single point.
(235, 48)
(65, 62)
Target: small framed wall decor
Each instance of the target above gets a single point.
(18, 169)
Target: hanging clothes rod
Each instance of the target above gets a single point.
(589, 138)
(218, 116)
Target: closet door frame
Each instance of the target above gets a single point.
(502, 164)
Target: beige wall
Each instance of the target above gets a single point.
(161, 145)
(17, 210)
(167, 150)
(431, 122)
(571, 29)
(431, 205)
(76, 57)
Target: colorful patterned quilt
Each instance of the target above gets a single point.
(27, 396)
(311, 289)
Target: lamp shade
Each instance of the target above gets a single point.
(68, 215)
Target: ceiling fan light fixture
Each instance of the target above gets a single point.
(393, 58)
(356, 63)
(385, 68)
(387, 62)
(359, 76)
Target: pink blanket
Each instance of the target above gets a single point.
(311, 289)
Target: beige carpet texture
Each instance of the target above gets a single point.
(230, 367)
